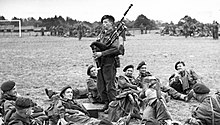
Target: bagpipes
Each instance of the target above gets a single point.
(98, 46)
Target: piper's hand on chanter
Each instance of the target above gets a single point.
(97, 55)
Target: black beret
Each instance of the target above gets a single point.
(111, 18)
(127, 67)
(64, 89)
(200, 89)
(89, 68)
(23, 103)
(140, 65)
(179, 62)
(7, 86)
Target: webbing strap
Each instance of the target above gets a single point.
(213, 115)
(215, 97)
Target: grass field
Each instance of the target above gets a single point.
(36, 63)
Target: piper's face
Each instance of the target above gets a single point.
(143, 69)
(129, 72)
(93, 72)
(107, 24)
(180, 67)
(68, 94)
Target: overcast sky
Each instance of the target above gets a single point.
(92, 10)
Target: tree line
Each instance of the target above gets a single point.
(68, 22)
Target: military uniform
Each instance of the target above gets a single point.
(127, 102)
(154, 106)
(16, 119)
(8, 104)
(139, 79)
(208, 111)
(73, 112)
(125, 82)
(107, 72)
(184, 82)
(93, 94)
(22, 116)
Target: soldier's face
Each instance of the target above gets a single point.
(143, 69)
(29, 111)
(93, 72)
(107, 24)
(129, 72)
(13, 92)
(68, 94)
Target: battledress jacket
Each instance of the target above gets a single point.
(187, 80)
(109, 54)
(76, 113)
(139, 79)
(92, 86)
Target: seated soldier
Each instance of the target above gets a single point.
(9, 95)
(154, 106)
(93, 94)
(127, 81)
(208, 111)
(23, 113)
(142, 67)
(183, 80)
(143, 73)
(127, 98)
(68, 111)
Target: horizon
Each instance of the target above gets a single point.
(92, 10)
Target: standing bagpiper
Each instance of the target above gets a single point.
(107, 72)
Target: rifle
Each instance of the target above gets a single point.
(98, 46)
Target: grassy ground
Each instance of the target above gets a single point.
(36, 63)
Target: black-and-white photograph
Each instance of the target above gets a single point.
(109, 62)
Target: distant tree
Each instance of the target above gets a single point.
(61, 20)
(141, 20)
(2, 18)
(70, 21)
(40, 19)
(15, 18)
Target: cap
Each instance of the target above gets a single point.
(7, 86)
(140, 65)
(64, 89)
(127, 67)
